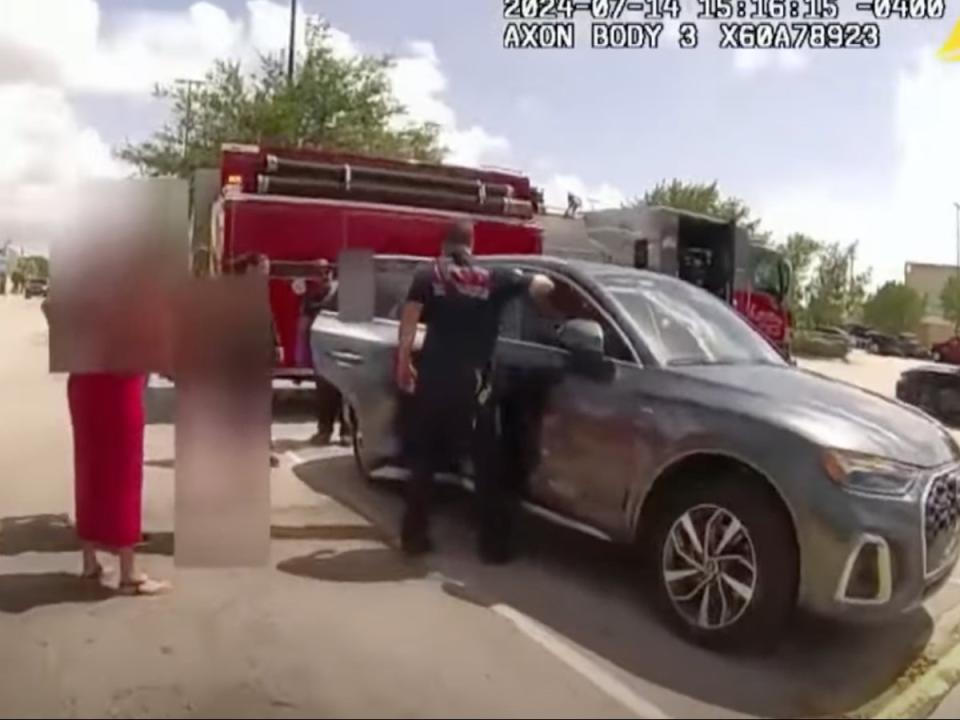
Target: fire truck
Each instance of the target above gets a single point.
(301, 206)
(716, 255)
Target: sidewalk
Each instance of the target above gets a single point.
(950, 707)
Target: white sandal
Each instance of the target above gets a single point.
(144, 586)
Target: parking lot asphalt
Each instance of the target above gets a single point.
(339, 623)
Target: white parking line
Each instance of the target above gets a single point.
(954, 580)
(580, 663)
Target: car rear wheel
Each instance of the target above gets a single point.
(937, 357)
(726, 563)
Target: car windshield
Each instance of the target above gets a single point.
(684, 325)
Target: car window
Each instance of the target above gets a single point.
(683, 325)
(529, 321)
(392, 283)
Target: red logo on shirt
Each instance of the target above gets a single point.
(472, 282)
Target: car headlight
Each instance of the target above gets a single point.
(871, 474)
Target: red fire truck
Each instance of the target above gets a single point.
(300, 206)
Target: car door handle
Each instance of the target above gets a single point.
(345, 357)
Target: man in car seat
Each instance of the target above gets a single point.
(461, 304)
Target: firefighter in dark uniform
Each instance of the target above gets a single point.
(452, 416)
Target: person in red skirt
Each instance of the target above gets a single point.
(107, 414)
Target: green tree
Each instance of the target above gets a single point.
(704, 198)
(950, 301)
(895, 308)
(836, 293)
(801, 251)
(337, 103)
(33, 266)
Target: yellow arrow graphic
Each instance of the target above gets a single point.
(951, 48)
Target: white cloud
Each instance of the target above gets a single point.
(42, 63)
(419, 84)
(913, 218)
(150, 47)
(52, 146)
(45, 150)
(752, 61)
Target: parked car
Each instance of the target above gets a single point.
(35, 287)
(860, 335)
(647, 411)
(883, 344)
(836, 333)
(911, 347)
(947, 351)
(935, 389)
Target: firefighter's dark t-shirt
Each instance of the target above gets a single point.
(462, 306)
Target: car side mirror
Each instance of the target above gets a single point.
(582, 337)
(584, 340)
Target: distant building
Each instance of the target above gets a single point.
(929, 279)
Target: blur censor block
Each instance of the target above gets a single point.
(355, 270)
(224, 354)
(118, 257)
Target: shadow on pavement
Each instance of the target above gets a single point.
(290, 404)
(592, 594)
(166, 464)
(37, 533)
(56, 534)
(20, 592)
(285, 444)
(355, 566)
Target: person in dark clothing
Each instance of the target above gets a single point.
(322, 295)
(452, 413)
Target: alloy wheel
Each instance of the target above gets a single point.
(709, 567)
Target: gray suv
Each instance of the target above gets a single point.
(644, 409)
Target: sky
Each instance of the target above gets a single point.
(841, 144)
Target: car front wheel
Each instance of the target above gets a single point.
(726, 563)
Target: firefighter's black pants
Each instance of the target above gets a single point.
(451, 423)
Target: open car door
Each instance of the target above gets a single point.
(358, 358)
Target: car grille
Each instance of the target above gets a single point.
(941, 516)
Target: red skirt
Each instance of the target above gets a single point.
(108, 420)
